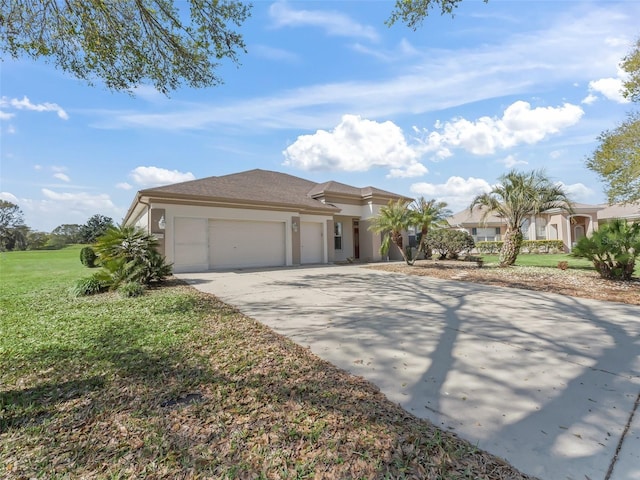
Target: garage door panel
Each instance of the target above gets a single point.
(311, 243)
(191, 244)
(246, 244)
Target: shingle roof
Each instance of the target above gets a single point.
(631, 210)
(475, 217)
(253, 186)
(343, 189)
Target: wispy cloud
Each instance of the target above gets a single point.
(271, 53)
(437, 79)
(333, 23)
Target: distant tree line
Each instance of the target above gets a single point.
(16, 235)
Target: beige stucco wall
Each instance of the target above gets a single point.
(221, 213)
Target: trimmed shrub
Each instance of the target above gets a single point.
(529, 246)
(489, 248)
(450, 243)
(89, 286)
(131, 289)
(88, 257)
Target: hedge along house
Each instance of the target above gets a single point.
(259, 218)
(554, 224)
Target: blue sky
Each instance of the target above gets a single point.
(326, 91)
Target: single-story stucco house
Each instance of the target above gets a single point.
(553, 224)
(259, 218)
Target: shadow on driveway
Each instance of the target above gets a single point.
(545, 381)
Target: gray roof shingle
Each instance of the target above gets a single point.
(263, 187)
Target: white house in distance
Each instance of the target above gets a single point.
(260, 218)
(554, 224)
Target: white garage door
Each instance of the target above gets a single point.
(311, 242)
(235, 244)
(190, 244)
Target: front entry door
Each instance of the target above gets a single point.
(356, 239)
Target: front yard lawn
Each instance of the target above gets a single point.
(551, 261)
(175, 384)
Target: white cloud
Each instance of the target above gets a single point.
(9, 197)
(589, 99)
(334, 23)
(124, 186)
(519, 124)
(55, 208)
(456, 191)
(511, 161)
(155, 176)
(25, 104)
(413, 170)
(62, 176)
(37, 167)
(80, 200)
(610, 88)
(6, 116)
(355, 145)
(557, 154)
(11, 130)
(578, 192)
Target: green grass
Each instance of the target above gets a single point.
(544, 260)
(550, 261)
(175, 384)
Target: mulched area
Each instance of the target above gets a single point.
(570, 282)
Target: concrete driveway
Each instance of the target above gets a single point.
(549, 383)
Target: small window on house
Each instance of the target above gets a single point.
(541, 228)
(337, 236)
(474, 231)
(497, 230)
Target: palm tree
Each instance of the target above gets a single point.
(425, 214)
(515, 199)
(392, 219)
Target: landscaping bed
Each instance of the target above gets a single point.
(575, 282)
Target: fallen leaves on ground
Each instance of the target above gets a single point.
(570, 282)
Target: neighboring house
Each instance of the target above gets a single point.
(259, 218)
(554, 224)
(630, 211)
(551, 225)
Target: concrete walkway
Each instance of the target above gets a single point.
(547, 382)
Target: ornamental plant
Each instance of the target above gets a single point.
(613, 249)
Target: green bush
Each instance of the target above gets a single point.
(489, 248)
(131, 289)
(613, 249)
(89, 286)
(450, 243)
(542, 246)
(531, 246)
(88, 257)
(128, 254)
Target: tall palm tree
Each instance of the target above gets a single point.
(517, 197)
(392, 219)
(425, 214)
